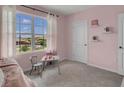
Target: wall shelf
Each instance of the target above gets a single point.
(95, 39)
(108, 30)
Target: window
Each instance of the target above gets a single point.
(40, 33)
(30, 33)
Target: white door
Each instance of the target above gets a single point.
(79, 41)
(121, 45)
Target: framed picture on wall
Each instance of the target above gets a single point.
(94, 22)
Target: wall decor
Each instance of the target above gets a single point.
(95, 38)
(108, 29)
(94, 22)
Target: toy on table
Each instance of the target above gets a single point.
(50, 55)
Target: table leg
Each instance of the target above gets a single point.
(42, 69)
(58, 67)
(43, 65)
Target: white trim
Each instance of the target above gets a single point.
(88, 43)
(29, 52)
(120, 43)
(103, 68)
(87, 38)
(122, 84)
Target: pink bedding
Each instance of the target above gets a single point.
(13, 74)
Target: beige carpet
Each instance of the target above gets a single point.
(76, 74)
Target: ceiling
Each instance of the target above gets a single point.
(66, 9)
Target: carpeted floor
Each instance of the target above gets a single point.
(76, 74)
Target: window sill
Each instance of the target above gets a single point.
(35, 51)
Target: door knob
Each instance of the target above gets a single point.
(120, 47)
(85, 44)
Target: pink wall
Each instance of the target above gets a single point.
(61, 37)
(104, 53)
(24, 61)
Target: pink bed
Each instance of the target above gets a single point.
(13, 74)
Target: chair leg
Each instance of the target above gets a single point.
(38, 69)
(43, 66)
(31, 70)
(35, 68)
(41, 71)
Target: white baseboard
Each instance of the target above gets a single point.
(62, 59)
(114, 71)
(122, 84)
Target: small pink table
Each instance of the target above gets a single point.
(46, 59)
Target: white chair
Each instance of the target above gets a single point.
(36, 65)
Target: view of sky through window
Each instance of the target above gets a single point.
(26, 24)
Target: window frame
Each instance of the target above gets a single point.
(32, 34)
